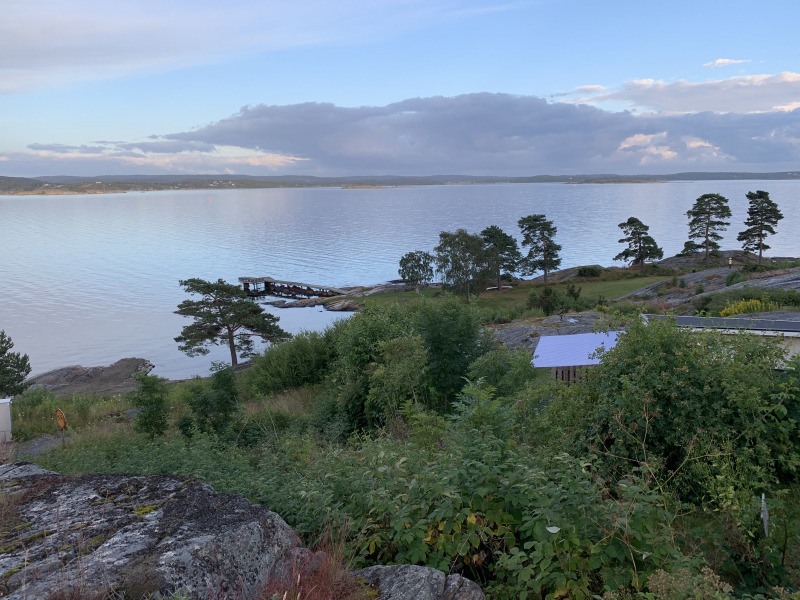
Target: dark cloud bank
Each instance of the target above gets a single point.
(505, 134)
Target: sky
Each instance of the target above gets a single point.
(398, 87)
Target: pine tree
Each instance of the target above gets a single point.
(501, 249)
(538, 233)
(641, 247)
(706, 221)
(763, 215)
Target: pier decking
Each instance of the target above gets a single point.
(267, 286)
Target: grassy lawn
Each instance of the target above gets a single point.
(518, 295)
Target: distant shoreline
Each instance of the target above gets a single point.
(64, 186)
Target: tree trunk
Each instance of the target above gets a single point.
(232, 346)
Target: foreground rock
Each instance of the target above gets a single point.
(145, 536)
(137, 535)
(404, 582)
(113, 379)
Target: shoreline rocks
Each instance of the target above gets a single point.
(117, 378)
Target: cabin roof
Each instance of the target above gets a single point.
(572, 350)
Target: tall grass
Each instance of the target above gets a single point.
(34, 412)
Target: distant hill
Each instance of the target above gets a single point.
(123, 183)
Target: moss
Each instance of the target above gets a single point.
(13, 571)
(19, 543)
(143, 510)
(89, 545)
(22, 526)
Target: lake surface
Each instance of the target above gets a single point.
(90, 279)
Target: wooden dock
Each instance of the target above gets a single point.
(267, 286)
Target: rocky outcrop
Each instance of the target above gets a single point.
(138, 535)
(113, 379)
(147, 536)
(409, 582)
(515, 335)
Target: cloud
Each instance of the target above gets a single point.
(724, 62)
(47, 159)
(506, 134)
(45, 43)
(743, 94)
(483, 133)
(590, 89)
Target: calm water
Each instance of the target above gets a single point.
(91, 279)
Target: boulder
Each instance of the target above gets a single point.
(140, 535)
(410, 582)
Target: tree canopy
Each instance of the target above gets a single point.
(762, 217)
(416, 268)
(706, 221)
(461, 261)
(224, 315)
(538, 234)
(502, 251)
(641, 247)
(14, 368)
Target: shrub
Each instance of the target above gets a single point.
(213, 408)
(735, 277)
(664, 391)
(748, 306)
(548, 300)
(151, 400)
(504, 369)
(589, 271)
(699, 288)
(302, 360)
(714, 303)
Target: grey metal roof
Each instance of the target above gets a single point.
(572, 350)
(742, 323)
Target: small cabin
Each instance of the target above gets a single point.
(5, 419)
(568, 356)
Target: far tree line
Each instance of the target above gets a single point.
(467, 262)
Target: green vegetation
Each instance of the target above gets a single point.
(538, 234)
(416, 269)
(224, 316)
(461, 262)
(640, 480)
(151, 400)
(762, 217)
(14, 368)
(502, 251)
(641, 247)
(705, 222)
(713, 304)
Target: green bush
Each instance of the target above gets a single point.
(589, 271)
(215, 407)
(735, 277)
(547, 299)
(504, 369)
(665, 391)
(302, 360)
(479, 505)
(152, 401)
(714, 303)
